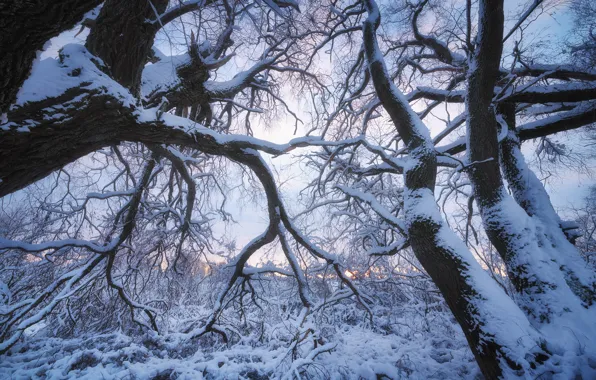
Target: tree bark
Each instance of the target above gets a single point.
(467, 289)
(530, 258)
(90, 122)
(123, 37)
(485, 175)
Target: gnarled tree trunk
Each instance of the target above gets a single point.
(123, 37)
(476, 301)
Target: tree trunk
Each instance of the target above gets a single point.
(547, 284)
(531, 195)
(123, 38)
(479, 305)
(503, 221)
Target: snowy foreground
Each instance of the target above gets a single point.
(416, 346)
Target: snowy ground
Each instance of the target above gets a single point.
(427, 346)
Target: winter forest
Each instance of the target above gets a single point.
(298, 189)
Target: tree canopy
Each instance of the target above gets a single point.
(408, 127)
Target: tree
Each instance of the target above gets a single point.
(582, 44)
(545, 269)
(585, 222)
(137, 141)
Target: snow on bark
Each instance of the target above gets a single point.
(162, 75)
(531, 195)
(75, 67)
(530, 259)
(478, 303)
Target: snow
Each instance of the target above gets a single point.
(432, 347)
(554, 88)
(5, 296)
(446, 147)
(561, 116)
(12, 244)
(226, 89)
(50, 77)
(502, 320)
(570, 325)
(162, 75)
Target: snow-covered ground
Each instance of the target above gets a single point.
(415, 341)
(357, 353)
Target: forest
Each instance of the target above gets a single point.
(298, 189)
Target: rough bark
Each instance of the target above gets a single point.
(191, 89)
(122, 37)
(453, 271)
(483, 152)
(530, 259)
(533, 95)
(90, 122)
(560, 122)
(483, 147)
(25, 27)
